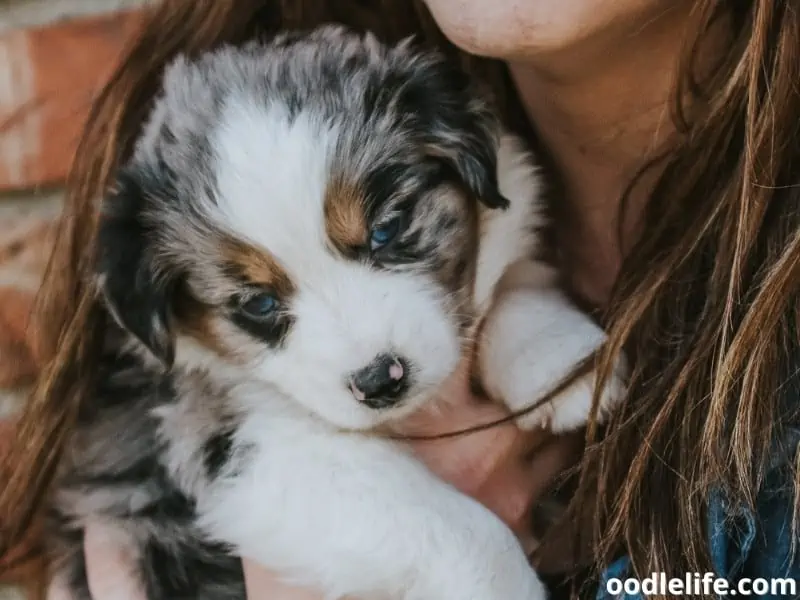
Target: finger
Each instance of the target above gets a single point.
(262, 584)
(111, 563)
(466, 461)
(515, 487)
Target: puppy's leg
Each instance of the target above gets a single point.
(357, 517)
(532, 338)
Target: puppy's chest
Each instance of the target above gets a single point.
(199, 431)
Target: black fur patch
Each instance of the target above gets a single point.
(136, 296)
(217, 452)
(191, 572)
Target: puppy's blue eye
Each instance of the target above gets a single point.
(260, 306)
(383, 234)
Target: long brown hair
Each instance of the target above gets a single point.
(705, 303)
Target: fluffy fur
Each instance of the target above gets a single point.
(297, 254)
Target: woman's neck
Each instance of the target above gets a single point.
(602, 111)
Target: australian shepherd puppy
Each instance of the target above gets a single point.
(297, 254)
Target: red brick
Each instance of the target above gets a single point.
(48, 78)
(17, 364)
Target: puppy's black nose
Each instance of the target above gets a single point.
(382, 382)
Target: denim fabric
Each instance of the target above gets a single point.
(743, 544)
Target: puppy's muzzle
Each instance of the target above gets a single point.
(382, 383)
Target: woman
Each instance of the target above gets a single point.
(671, 126)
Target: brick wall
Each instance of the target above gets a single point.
(54, 56)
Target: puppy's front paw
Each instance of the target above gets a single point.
(570, 409)
(531, 341)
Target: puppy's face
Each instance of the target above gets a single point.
(306, 213)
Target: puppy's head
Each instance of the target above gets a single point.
(305, 212)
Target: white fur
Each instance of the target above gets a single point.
(356, 516)
(348, 513)
(346, 313)
(532, 339)
(533, 335)
(508, 236)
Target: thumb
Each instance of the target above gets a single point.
(262, 584)
(110, 563)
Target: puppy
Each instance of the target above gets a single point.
(298, 252)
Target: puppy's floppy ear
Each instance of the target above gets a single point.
(470, 150)
(460, 127)
(136, 295)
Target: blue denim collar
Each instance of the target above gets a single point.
(744, 543)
